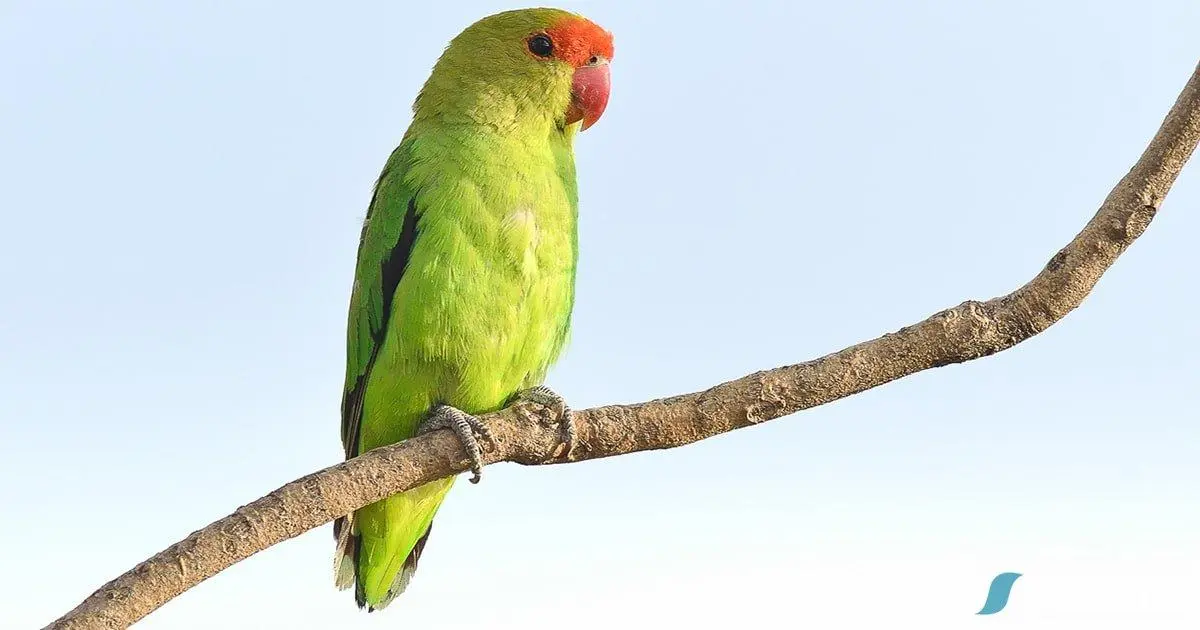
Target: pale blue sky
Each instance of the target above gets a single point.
(181, 186)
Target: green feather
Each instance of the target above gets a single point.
(466, 271)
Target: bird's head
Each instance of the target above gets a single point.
(523, 66)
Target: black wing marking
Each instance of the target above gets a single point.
(392, 270)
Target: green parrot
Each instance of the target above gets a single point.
(466, 264)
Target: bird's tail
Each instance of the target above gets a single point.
(346, 556)
(379, 546)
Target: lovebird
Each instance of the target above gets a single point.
(465, 276)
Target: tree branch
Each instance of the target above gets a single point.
(968, 331)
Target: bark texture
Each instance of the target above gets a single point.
(968, 331)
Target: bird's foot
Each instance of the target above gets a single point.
(467, 427)
(550, 401)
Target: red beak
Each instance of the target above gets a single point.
(589, 93)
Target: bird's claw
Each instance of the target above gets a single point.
(550, 401)
(468, 428)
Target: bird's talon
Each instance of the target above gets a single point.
(550, 406)
(467, 428)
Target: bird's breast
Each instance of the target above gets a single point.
(520, 236)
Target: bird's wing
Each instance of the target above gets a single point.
(388, 235)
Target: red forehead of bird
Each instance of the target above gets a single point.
(578, 40)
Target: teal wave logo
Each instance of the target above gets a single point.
(998, 593)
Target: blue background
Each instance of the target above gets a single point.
(181, 188)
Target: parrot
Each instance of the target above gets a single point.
(465, 274)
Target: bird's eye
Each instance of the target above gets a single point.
(541, 45)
